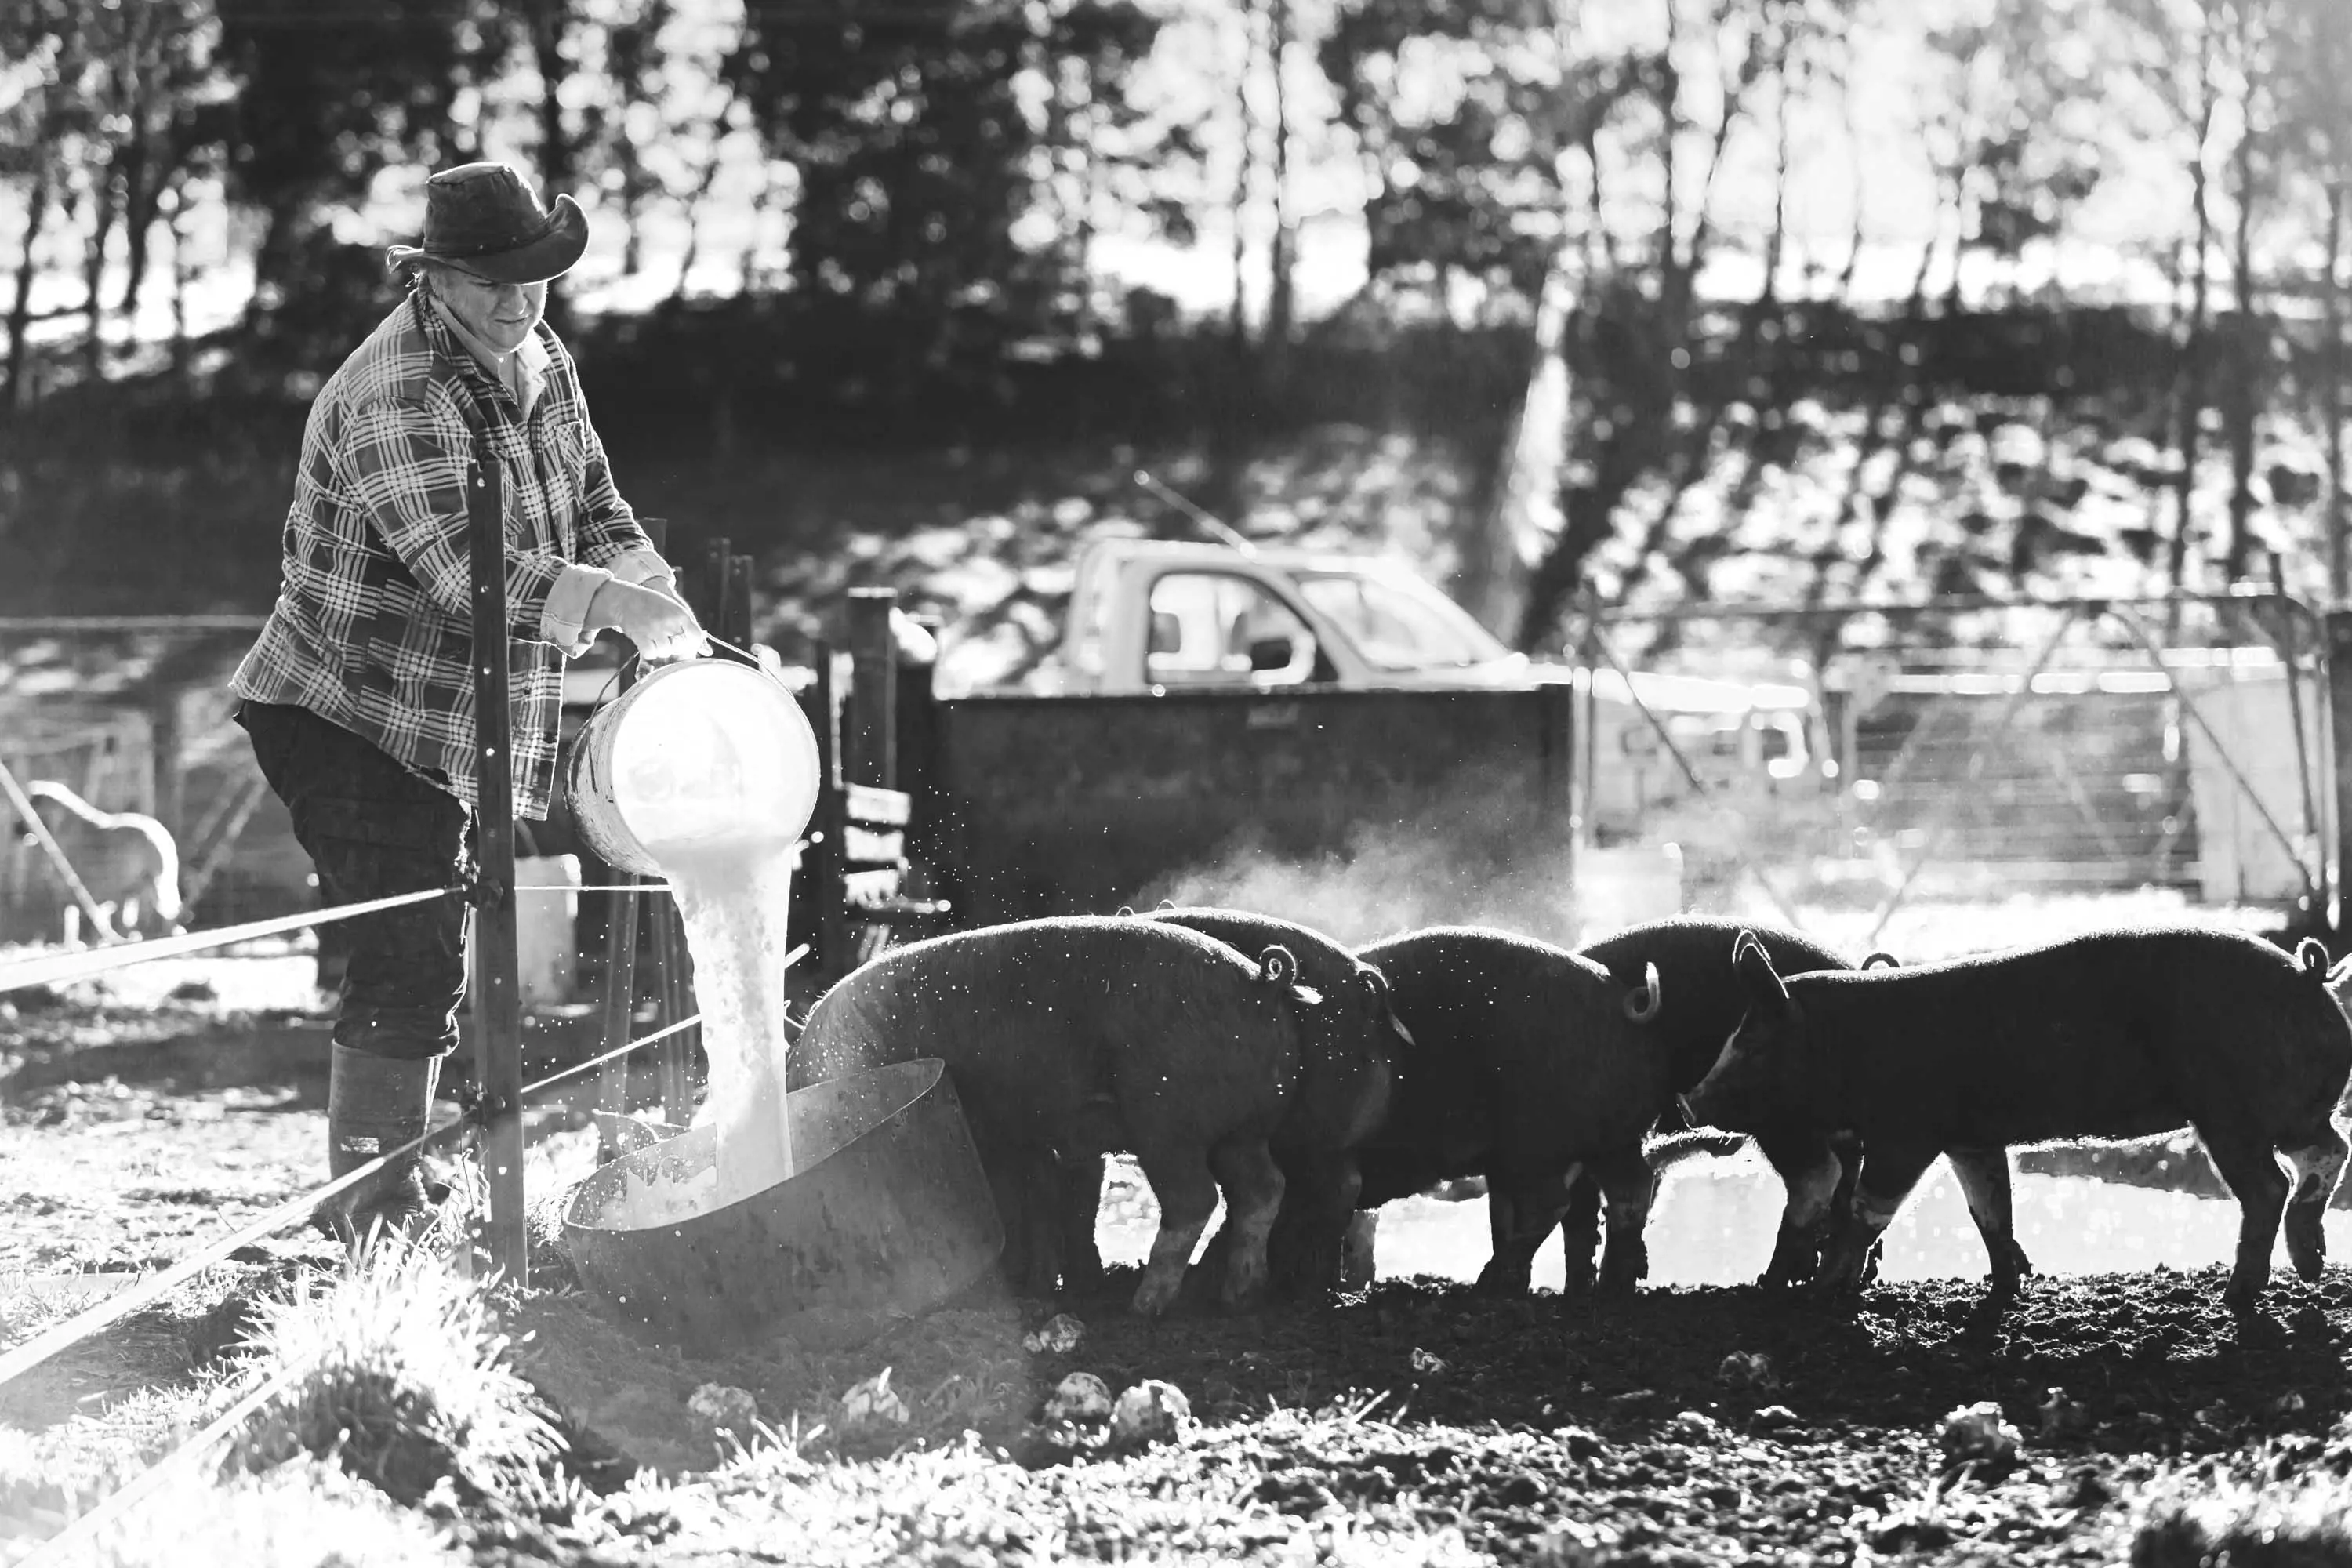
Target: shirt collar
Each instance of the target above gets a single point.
(522, 373)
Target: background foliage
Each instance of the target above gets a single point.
(1661, 297)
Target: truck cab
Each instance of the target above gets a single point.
(1161, 615)
(1158, 615)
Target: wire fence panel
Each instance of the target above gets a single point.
(1862, 756)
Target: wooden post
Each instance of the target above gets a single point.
(826, 863)
(167, 763)
(619, 1011)
(677, 1003)
(736, 607)
(619, 1000)
(2339, 728)
(870, 736)
(498, 1000)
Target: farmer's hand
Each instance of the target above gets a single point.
(662, 627)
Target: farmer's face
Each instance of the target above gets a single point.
(500, 314)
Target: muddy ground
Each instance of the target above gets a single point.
(1413, 1424)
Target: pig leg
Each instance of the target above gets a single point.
(1042, 1202)
(2255, 1179)
(1984, 1179)
(1890, 1169)
(1630, 1185)
(1080, 1202)
(1520, 1212)
(1358, 1264)
(1812, 1175)
(1010, 1184)
(1187, 1195)
(1318, 1196)
(1253, 1187)
(1580, 1236)
(2316, 1165)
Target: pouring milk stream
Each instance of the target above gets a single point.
(705, 772)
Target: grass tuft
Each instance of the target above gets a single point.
(303, 1515)
(399, 1373)
(2303, 1524)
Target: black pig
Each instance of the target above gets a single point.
(1692, 954)
(2114, 1033)
(1073, 1035)
(1354, 1042)
(1529, 1064)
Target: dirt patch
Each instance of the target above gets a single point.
(1691, 1425)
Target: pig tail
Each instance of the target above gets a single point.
(1278, 965)
(1642, 1003)
(2311, 955)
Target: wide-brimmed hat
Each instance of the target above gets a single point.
(485, 219)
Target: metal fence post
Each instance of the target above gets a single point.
(497, 1001)
(870, 738)
(2339, 730)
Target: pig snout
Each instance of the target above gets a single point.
(1732, 1094)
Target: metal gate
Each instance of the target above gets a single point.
(1828, 765)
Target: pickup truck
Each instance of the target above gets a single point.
(1214, 705)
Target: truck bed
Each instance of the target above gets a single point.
(1071, 804)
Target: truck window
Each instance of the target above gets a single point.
(1398, 625)
(1213, 628)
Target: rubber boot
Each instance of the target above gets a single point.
(375, 1104)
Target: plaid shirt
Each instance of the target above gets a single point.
(374, 624)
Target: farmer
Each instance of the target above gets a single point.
(359, 694)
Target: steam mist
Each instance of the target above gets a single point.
(1466, 862)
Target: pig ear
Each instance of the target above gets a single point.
(1754, 966)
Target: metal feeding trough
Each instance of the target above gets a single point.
(889, 1215)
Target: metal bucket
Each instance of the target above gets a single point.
(706, 751)
(890, 1216)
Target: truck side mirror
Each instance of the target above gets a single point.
(1270, 654)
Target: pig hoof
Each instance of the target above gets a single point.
(2306, 1247)
(1501, 1282)
(1240, 1295)
(1154, 1296)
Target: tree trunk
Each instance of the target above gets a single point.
(549, 22)
(1522, 471)
(103, 209)
(2331, 298)
(1281, 308)
(1244, 177)
(181, 273)
(2192, 347)
(20, 312)
(2250, 342)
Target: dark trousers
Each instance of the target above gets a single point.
(373, 830)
